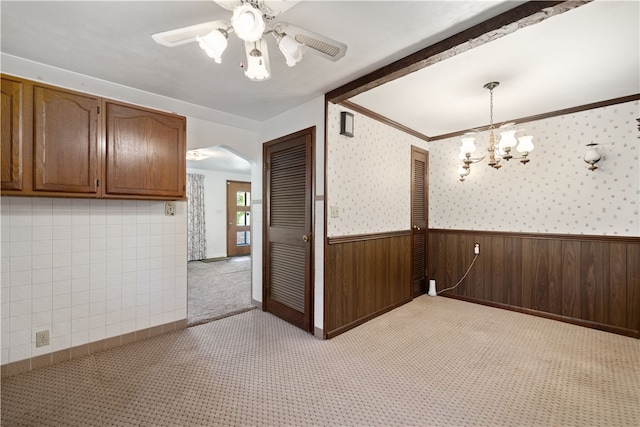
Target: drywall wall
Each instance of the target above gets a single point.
(215, 208)
(302, 117)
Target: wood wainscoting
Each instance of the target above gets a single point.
(365, 276)
(592, 281)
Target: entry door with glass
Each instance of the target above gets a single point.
(238, 218)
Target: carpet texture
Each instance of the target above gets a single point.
(434, 361)
(218, 289)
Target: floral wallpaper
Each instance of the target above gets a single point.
(368, 177)
(554, 192)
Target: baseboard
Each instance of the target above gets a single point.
(358, 322)
(633, 333)
(257, 303)
(26, 365)
(318, 333)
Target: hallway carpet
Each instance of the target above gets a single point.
(218, 289)
(434, 361)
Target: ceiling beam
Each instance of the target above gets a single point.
(548, 115)
(506, 23)
(373, 115)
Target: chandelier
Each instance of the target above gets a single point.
(498, 148)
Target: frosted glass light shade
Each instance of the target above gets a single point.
(592, 156)
(525, 144)
(258, 68)
(213, 44)
(468, 145)
(507, 139)
(247, 22)
(291, 49)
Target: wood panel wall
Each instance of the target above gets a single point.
(365, 276)
(592, 281)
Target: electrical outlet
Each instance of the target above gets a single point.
(170, 209)
(42, 338)
(476, 248)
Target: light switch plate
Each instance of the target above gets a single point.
(335, 211)
(170, 209)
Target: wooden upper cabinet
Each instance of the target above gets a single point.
(61, 143)
(65, 138)
(12, 138)
(145, 153)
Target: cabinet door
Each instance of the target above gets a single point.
(11, 142)
(145, 153)
(65, 151)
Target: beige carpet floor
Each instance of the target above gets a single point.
(217, 289)
(434, 361)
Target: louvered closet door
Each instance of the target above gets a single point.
(287, 219)
(419, 223)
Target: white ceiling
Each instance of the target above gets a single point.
(111, 40)
(220, 159)
(588, 54)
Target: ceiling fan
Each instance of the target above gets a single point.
(252, 21)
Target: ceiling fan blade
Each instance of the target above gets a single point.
(321, 45)
(188, 34)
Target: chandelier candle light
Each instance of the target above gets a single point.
(496, 152)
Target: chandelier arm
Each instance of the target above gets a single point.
(477, 159)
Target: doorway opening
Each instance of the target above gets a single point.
(218, 280)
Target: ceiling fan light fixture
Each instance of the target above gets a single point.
(248, 23)
(214, 44)
(290, 48)
(258, 67)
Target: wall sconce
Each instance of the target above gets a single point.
(346, 124)
(592, 156)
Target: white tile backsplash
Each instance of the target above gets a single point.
(88, 270)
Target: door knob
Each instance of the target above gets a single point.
(415, 227)
(305, 238)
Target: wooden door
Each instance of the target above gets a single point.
(65, 146)
(419, 215)
(288, 242)
(11, 141)
(145, 154)
(238, 218)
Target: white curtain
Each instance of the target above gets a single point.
(196, 239)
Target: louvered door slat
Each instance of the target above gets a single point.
(287, 275)
(418, 195)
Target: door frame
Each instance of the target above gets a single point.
(230, 225)
(311, 132)
(417, 150)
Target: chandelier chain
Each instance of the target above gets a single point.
(490, 108)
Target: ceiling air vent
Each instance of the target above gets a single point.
(318, 45)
